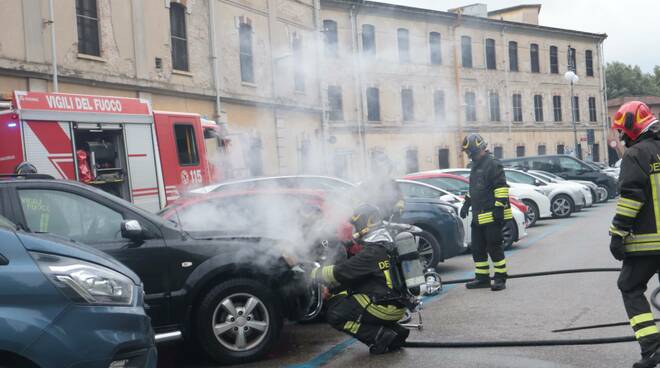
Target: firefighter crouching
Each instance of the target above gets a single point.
(357, 285)
(489, 199)
(635, 229)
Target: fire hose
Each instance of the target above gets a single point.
(551, 342)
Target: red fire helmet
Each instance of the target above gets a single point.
(633, 119)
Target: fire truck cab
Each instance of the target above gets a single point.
(116, 144)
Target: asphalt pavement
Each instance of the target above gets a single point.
(529, 309)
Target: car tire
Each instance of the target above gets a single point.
(606, 193)
(562, 206)
(429, 249)
(238, 295)
(509, 233)
(533, 212)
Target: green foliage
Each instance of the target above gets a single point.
(627, 80)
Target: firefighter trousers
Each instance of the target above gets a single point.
(345, 314)
(487, 241)
(635, 274)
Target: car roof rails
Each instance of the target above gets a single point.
(26, 176)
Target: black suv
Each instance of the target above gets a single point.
(568, 167)
(229, 294)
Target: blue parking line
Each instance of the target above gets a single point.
(331, 353)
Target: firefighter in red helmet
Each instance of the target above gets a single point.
(635, 229)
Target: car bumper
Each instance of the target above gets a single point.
(96, 336)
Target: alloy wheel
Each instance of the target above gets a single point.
(240, 322)
(561, 207)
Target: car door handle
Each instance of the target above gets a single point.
(3, 260)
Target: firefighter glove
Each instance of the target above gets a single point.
(465, 209)
(617, 248)
(498, 214)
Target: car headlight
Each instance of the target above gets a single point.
(86, 282)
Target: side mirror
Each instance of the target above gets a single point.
(131, 229)
(538, 183)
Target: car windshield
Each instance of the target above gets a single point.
(452, 185)
(550, 175)
(542, 175)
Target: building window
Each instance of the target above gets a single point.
(520, 151)
(373, 104)
(538, 108)
(179, 40)
(556, 107)
(443, 158)
(490, 54)
(435, 47)
(589, 60)
(369, 39)
(466, 51)
(592, 109)
(498, 152)
(541, 149)
(412, 161)
(534, 57)
(335, 104)
(513, 56)
(571, 60)
(439, 105)
(245, 43)
(560, 149)
(470, 106)
(595, 149)
(407, 104)
(554, 60)
(299, 75)
(494, 106)
(330, 37)
(517, 107)
(403, 42)
(576, 108)
(186, 146)
(88, 27)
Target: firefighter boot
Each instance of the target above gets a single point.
(402, 334)
(498, 284)
(478, 283)
(383, 340)
(649, 360)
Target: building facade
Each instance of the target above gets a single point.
(321, 86)
(615, 148)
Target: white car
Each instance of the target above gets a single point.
(538, 205)
(599, 194)
(314, 182)
(564, 199)
(411, 188)
(586, 191)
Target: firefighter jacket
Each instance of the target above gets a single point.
(488, 189)
(367, 278)
(637, 217)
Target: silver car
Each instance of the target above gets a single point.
(564, 199)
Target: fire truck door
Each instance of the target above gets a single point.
(48, 147)
(142, 166)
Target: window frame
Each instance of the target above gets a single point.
(191, 128)
(516, 98)
(439, 105)
(466, 52)
(556, 108)
(572, 59)
(407, 105)
(470, 106)
(180, 56)
(494, 106)
(589, 63)
(498, 152)
(82, 34)
(335, 99)
(435, 48)
(331, 38)
(369, 39)
(519, 149)
(513, 56)
(576, 108)
(534, 60)
(298, 54)
(541, 152)
(403, 45)
(554, 60)
(538, 108)
(491, 56)
(373, 112)
(246, 52)
(593, 115)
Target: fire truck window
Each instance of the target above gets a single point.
(186, 146)
(70, 215)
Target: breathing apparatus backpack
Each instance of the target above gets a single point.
(407, 271)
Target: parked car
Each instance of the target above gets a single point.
(65, 305)
(568, 167)
(443, 235)
(199, 286)
(564, 200)
(598, 194)
(538, 205)
(513, 230)
(586, 192)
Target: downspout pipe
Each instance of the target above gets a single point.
(214, 60)
(459, 105)
(603, 86)
(325, 132)
(53, 45)
(357, 77)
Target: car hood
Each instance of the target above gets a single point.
(54, 244)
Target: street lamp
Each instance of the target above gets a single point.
(572, 78)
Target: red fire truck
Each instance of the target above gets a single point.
(117, 144)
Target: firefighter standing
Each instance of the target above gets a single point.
(635, 229)
(360, 286)
(489, 199)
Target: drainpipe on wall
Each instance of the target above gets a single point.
(214, 60)
(325, 133)
(457, 75)
(603, 88)
(51, 22)
(357, 77)
(280, 139)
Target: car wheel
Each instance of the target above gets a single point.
(532, 212)
(238, 321)
(603, 194)
(429, 249)
(509, 233)
(562, 206)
